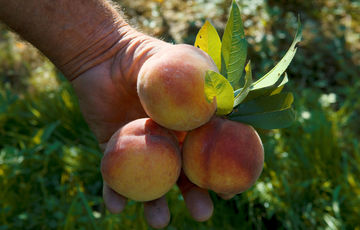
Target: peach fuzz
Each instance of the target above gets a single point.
(224, 156)
(170, 86)
(142, 160)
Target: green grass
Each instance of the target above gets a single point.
(50, 179)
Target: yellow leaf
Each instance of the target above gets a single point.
(208, 40)
(216, 86)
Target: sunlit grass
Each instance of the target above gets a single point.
(50, 179)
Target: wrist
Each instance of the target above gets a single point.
(74, 35)
(101, 46)
(127, 48)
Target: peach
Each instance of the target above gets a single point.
(224, 156)
(170, 86)
(142, 160)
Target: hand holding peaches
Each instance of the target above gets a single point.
(143, 159)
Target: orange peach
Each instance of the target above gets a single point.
(142, 160)
(170, 86)
(224, 156)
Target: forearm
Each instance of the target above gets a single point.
(74, 34)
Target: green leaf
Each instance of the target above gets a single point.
(270, 120)
(275, 102)
(278, 90)
(208, 40)
(246, 89)
(267, 90)
(234, 48)
(87, 208)
(48, 131)
(274, 74)
(217, 86)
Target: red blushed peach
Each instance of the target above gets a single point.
(170, 86)
(142, 160)
(224, 156)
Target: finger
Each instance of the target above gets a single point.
(226, 196)
(199, 203)
(197, 200)
(157, 213)
(114, 202)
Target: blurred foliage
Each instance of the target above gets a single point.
(49, 160)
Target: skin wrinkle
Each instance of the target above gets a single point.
(127, 67)
(94, 45)
(100, 49)
(91, 57)
(109, 114)
(134, 59)
(111, 18)
(140, 42)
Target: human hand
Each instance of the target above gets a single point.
(108, 99)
